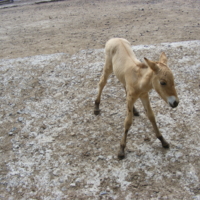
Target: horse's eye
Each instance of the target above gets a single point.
(163, 83)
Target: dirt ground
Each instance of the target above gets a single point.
(51, 144)
(68, 26)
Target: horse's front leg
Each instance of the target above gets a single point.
(147, 106)
(127, 124)
(135, 111)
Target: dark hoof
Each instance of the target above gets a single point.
(166, 145)
(96, 112)
(121, 155)
(136, 114)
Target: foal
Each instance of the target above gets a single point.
(137, 79)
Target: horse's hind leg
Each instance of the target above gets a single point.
(103, 80)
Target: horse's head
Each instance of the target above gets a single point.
(163, 80)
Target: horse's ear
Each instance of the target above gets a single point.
(152, 65)
(163, 58)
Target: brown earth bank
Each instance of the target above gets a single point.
(28, 28)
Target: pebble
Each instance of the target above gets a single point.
(20, 119)
(72, 134)
(12, 131)
(101, 157)
(56, 172)
(43, 126)
(58, 95)
(64, 188)
(103, 193)
(110, 157)
(73, 185)
(19, 111)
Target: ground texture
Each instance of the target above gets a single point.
(51, 144)
(68, 26)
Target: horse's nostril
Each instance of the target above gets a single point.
(175, 104)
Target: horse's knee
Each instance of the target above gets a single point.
(102, 82)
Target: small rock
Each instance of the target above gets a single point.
(103, 193)
(20, 119)
(156, 190)
(61, 180)
(64, 188)
(78, 180)
(72, 134)
(12, 131)
(56, 172)
(87, 153)
(19, 111)
(43, 126)
(58, 95)
(101, 157)
(147, 139)
(135, 185)
(90, 51)
(110, 157)
(73, 185)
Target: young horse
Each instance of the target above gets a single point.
(137, 79)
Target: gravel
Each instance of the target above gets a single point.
(53, 147)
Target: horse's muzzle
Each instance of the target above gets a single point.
(173, 102)
(174, 105)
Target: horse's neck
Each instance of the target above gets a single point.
(147, 76)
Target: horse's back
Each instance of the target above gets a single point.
(120, 53)
(116, 45)
(119, 49)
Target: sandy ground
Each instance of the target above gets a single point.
(51, 144)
